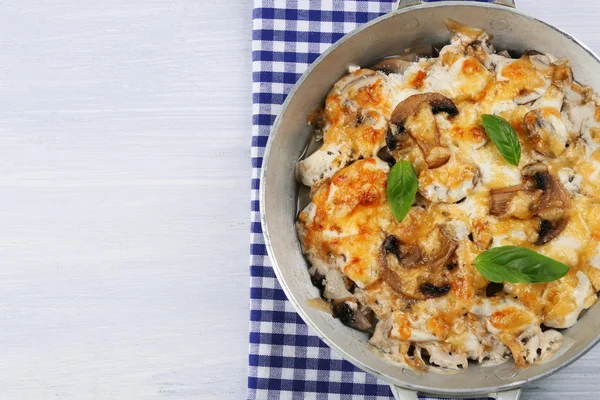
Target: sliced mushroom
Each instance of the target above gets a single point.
(386, 155)
(500, 199)
(415, 116)
(542, 196)
(437, 102)
(545, 129)
(514, 201)
(519, 201)
(493, 288)
(353, 315)
(441, 255)
(415, 271)
(396, 139)
(553, 207)
(549, 230)
(410, 256)
(394, 64)
(532, 169)
(392, 279)
(546, 132)
(430, 290)
(555, 200)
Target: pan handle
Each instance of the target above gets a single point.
(406, 394)
(407, 3)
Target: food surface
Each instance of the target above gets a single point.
(412, 282)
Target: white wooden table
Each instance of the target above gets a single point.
(124, 198)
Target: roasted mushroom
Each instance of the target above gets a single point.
(437, 102)
(415, 116)
(393, 65)
(545, 129)
(553, 207)
(386, 155)
(350, 313)
(514, 201)
(418, 271)
(555, 200)
(549, 230)
(530, 170)
(430, 290)
(335, 288)
(542, 196)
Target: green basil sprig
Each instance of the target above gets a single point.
(401, 188)
(502, 134)
(518, 264)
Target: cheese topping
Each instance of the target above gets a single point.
(412, 283)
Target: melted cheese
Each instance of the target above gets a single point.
(448, 183)
(343, 229)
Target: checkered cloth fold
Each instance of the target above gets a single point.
(287, 360)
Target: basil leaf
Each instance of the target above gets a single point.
(518, 264)
(502, 134)
(401, 188)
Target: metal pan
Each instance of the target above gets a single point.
(390, 34)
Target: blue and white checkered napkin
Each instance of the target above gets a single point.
(287, 361)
